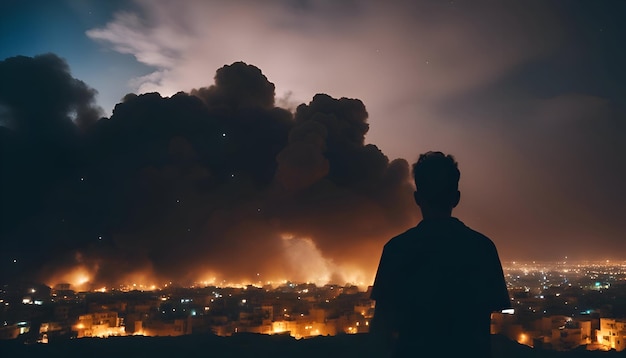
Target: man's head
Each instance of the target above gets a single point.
(437, 183)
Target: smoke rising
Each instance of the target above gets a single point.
(218, 182)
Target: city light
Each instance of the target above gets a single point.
(540, 292)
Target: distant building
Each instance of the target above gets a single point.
(571, 335)
(500, 322)
(14, 330)
(62, 291)
(556, 332)
(51, 331)
(365, 308)
(612, 333)
(177, 327)
(100, 324)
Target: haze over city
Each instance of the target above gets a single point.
(280, 141)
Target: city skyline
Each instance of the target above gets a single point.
(560, 306)
(529, 98)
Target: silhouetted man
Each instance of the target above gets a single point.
(438, 282)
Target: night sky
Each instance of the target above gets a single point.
(149, 141)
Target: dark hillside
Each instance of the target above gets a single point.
(250, 345)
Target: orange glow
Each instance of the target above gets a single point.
(78, 277)
(307, 263)
(523, 339)
(82, 278)
(278, 329)
(208, 279)
(301, 261)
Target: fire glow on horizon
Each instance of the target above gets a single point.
(81, 278)
(302, 260)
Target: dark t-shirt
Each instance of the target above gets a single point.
(436, 286)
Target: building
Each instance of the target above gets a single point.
(14, 330)
(571, 335)
(100, 324)
(177, 327)
(612, 333)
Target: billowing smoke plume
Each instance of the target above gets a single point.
(215, 184)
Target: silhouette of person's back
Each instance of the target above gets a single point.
(438, 282)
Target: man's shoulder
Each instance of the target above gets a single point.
(402, 239)
(451, 228)
(451, 232)
(477, 237)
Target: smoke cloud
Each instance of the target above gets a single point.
(218, 182)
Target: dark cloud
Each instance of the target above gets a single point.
(42, 97)
(302, 162)
(344, 188)
(238, 85)
(218, 182)
(43, 112)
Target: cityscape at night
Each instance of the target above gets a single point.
(236, 171)
(556, 305)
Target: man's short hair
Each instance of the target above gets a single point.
(436, 177)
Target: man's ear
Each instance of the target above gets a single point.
(417, 197)
(456, 199)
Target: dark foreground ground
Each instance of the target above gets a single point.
(250, 345)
